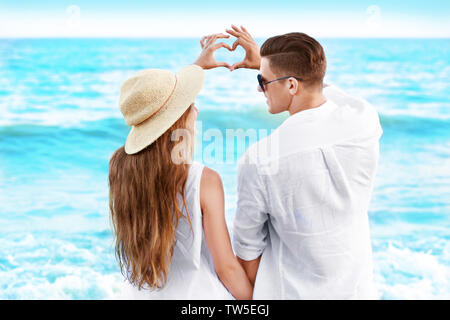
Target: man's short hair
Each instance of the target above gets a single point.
(296, 54)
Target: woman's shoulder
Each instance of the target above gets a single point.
(203, 177)
(210, 186)
(210, 176)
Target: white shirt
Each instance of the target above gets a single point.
(303, 196)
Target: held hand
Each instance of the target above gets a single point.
(206, 59)
(252, 58)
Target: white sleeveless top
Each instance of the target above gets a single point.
(192, 274)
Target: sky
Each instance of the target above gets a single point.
(151, 18)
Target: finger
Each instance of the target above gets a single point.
(223, 64)
(245, 30)
(202, 42)
(233, 33)
(240, 42)
(235, 44)
(236, 28)
(239, 34)
(212, 40)
(222, 45)
(219, 36)
(237, 66)
(209, 40)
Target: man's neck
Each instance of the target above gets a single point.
(311, 101)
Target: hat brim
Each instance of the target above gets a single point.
(189, 83)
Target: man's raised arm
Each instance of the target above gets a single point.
(252, 58)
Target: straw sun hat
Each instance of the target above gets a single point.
(152, 100)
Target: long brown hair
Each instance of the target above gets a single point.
(143, 201)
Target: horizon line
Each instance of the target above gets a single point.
(197, 37)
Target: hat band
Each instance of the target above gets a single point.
(165, 102)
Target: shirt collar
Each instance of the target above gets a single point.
(313, 113)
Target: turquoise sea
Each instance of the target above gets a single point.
(60, 123)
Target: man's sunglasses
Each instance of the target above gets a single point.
(262, 84)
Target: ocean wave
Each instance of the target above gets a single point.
(403, 273)
(416, 126)
(70, 99)
(84, 268)
(61, 282)
(42, 267)
(254, 117)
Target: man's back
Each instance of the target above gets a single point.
(303, 195)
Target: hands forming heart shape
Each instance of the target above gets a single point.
(252, 57)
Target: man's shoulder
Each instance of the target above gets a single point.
(363, 113)
(342, 98)
(261, 151)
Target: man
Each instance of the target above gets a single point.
(301, 231)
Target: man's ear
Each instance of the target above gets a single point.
(294, 86)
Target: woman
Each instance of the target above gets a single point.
(168, 215)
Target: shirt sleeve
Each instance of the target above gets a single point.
(249, 226)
